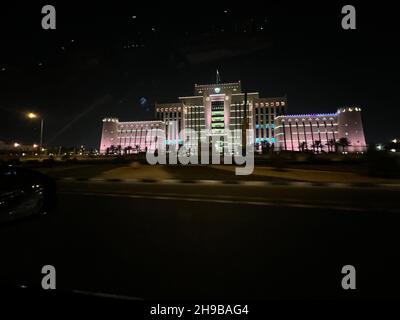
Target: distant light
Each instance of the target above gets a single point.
(3, 69)
(16, 144)
(225, 11)
(143, 101)
(133, 17)
(393, 150)
(32, 115)
(35, 145)
(394, 140)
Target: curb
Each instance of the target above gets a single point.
(238, 182)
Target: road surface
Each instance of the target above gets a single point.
(188, 241)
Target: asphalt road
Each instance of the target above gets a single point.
(198, 241)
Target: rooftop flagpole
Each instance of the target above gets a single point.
(218, 77)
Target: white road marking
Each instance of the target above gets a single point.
(249, 183)
(227, 201)
(106, 295)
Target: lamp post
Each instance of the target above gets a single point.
(32, 115)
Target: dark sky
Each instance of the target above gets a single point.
(84, 70)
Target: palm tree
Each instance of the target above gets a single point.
(265, 148)
(344, 143)
(331, 143)
(112, 149)
(318, 145)
(303, 146)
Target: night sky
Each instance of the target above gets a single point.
(119, 59)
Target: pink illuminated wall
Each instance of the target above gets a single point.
(298, 132)
(133, 135)
(350, 126)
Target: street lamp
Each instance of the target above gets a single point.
(32, 115)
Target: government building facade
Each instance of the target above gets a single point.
(215, 108)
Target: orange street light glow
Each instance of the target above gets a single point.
(32, 115)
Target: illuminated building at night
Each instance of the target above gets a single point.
(320, 131)
(129, 136)
(213, 107)
(221, 106)
(217, 107)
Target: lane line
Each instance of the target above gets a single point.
(106, 295)
(227, 197)
(250, 183)
(226, 201)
